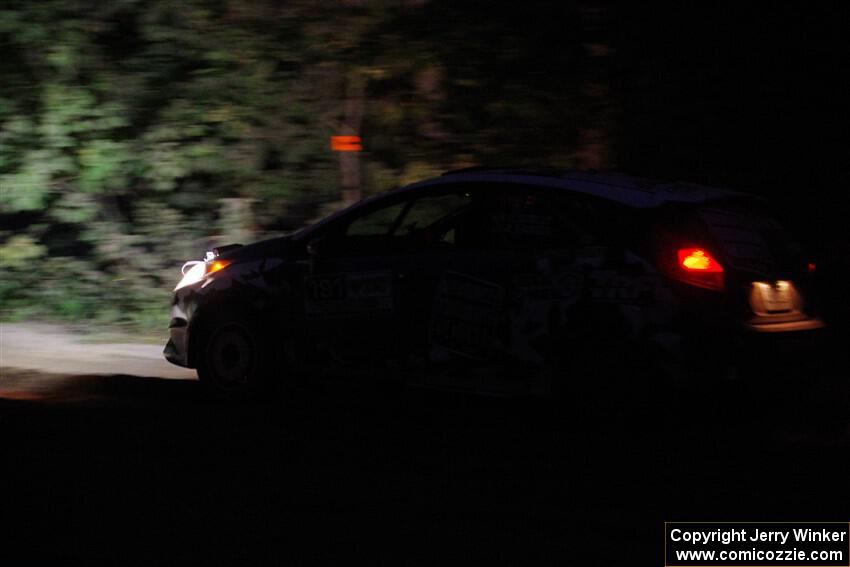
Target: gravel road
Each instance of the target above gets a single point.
(62, 350)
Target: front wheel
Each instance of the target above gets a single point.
(235, 360)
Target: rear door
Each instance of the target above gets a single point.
(499, 295)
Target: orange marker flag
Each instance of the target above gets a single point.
(346, 144)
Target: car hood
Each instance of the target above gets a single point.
(258, 250)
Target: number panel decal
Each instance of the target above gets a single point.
(346, 294)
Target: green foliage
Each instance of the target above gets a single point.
(20, 251)
(26, 189)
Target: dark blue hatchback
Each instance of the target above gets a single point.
(506, 282)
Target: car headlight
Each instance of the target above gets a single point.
(194, 272)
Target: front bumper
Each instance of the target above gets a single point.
(177, 349)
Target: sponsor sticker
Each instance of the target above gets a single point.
(339, 295)
(466, 315)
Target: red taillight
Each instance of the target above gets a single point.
(811, 267)
(698, 260)
(698, 267)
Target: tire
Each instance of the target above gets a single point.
(236, 359)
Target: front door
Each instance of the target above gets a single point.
(368, 290)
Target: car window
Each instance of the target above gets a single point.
(519, 217)
(376, 223)
(401, 226)
(429, 211)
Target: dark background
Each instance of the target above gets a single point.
(749, 95)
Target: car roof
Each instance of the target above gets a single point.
(615, 187)
(624, 189)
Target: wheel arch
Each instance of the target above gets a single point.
(254, 311)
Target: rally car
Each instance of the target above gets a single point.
(506, 281)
